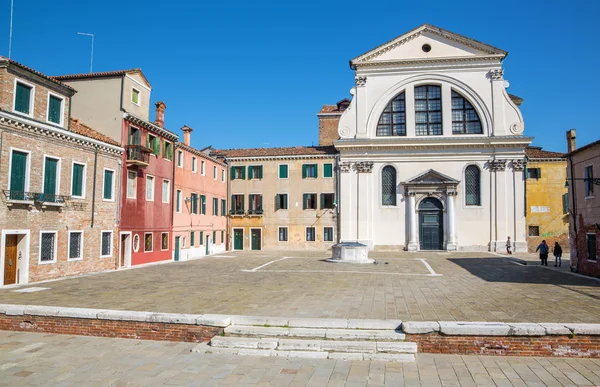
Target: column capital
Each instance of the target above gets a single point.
(452, 193)
(496, 74)
(519, 164)
(364, 166)
(413, 194)
(345, 166)
(361, 80)
(497, 165)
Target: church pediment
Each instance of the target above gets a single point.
(429, 43)
(431, 177)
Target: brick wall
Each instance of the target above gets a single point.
(584, 265)
(328, 129)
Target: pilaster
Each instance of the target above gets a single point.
(364, 202)
(413, 245)
(450, 198)
(497, 79)
(360, 102)
(348, 203)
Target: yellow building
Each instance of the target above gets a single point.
(546, 198)
(282, 198)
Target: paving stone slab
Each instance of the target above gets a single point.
(214, 320)
(259, 320)
(526, 329)
(420, 327)
(345, 356)
(349, 346)
(556, 329)
(80, 312)
(396, 347)
(257, 352)
(374, 324)
(307, 354)
(584, 329)
(38, 310)
(256, 331)
(124, 315)
(402, 358)
(299, 345)
(364, 334)
(318, 323)
(474, 328)
(243, 342)
(174, 318)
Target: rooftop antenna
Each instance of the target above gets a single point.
(92, 59)
(12, 5)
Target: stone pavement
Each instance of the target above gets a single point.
(464, 287)
(33, 359)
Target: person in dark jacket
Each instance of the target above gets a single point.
(543, 249)
(557, 254)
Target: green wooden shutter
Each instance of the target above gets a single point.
(260, 172)
(285, 205)
(251, 173)
(192, 241)
(304, 171)
(203, 204)
(170, 148)
(201, 238)
(22, 98)
(260, 202)
(277, 202)
(565, 199)
(108, 182)
(232, 173)
(77, 184)
(51, 166)
(316, 170)
(304, 201)
(243, 173)
(18, 171)
(242, 203)
(322, 201)
(54, 108)
(327, 170)
(148, 145)
(232, 203)
(283, 171)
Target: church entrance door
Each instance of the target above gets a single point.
(431, 224)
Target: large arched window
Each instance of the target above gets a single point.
(472, 186)
(464, 117)
(388, 186)
(428, 111)
(392, 121)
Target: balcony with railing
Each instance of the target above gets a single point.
(46, 199)
(138, 155)
(19, 197)
(255, 212)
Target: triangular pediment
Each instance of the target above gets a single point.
(431, 177)
(429, 43)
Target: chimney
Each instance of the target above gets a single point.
(187, 134)
(571, 140)
(160, 113)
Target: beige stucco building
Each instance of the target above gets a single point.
(282, 198)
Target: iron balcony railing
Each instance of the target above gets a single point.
(20, 195)
(237, 212)
(51, 198)
(255, 212)
(138, 154)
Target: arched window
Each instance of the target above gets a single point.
(392, 121)
(388, 186)
(472, 186)
(428, 111)
(464, 117)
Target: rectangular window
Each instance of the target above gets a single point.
(202, 168)
(310, 234)
(223, 175)
(237, 204)
(148, 245)
(309, 171)
(167, 150)
(222, 237)
(194, 162)
(203, 204)
(192, 239)
(281, 202)
(166, 191)
(591, 246)
(214, 238)
(135, 96)
(565, 203)
(428, 111)
(309, 201)
(255, 204)
(51, 179)
(328, 170)
(135, 136)
(178, 201)
(48, 246)
(283, 171)
(534, 231)
(215, 173)
(215, 207)
(327, 200)
(78, 180)
(194, 203)
(153, 142)
(19, 176)
(131, 184)
(75, 245)
(201, 238)
(180, 159)
(283, 234)
(106, 244)
(164, 241)
(328, 234)
(589, 181)
(108, 191)
(255, 172)
(534, 173)
(23, 98)
(238, 173)
(55, 109)
(149, 188)
(223, 207)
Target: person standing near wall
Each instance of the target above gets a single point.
(508, 246)
(557, 254)
(543, 249)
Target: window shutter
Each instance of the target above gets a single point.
(565, 199)
(148, 145)
(316, 171)
(285, 205)
(327, 170)
(322, 200)
(18, 171)
(22, 98)
(304, 171)
(242, 203)
(232, 173)
(243, 173)
(260, 202)
(277, 202)
(304, 201)
(107, 184)
(260, 175)
(50, 178)
(250, 172)
(54, 109)
(539, 173)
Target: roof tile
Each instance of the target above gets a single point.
(84, 130)
(283, 151)
(536, 152)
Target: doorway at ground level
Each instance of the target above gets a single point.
(431, 224)
(256, 239)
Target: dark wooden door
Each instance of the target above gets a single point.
(431, 225)
(176, 258)
(238, 239)
(10, 260)
(256, 242)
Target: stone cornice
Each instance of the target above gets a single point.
(289, 157)
(151, 127)
(180, 145)
(430, 61)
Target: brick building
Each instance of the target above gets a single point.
(583, 165)
(546, 198)
(118, 104)
(58, 210)
(200, 213)
(329, 118)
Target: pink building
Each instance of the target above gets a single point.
(200, 211)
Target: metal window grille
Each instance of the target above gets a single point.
(164, 241)
(464, 117)
(428, 111)
(310, 234)
(392, 121)
(534, 231)
(75, 245)
(328, 234)
(472, 186)
(106, 243)
(148, 242)
(388, 186)
(47, 247)
(283, 234)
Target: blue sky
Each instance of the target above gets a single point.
(254, 73)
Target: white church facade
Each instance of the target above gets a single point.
(431, 147)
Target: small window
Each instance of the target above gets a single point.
(135, 136)
(215, 207)
(222, 237)
(180, 159)
(215, 173)
(388, 186)
(223, 175)
(55, 109)
(202, 168)
(167, 150)
(201, 238)
(48, 247)
(164, 241)
(192, 239)
(237, 204)
(75, 245)
(255, 204)
(426, 48)
(589, 181)
(281, 202)
(150, 188)
(135, 96)
(283, 171)
(309, 171)
(472, 186)
(78, 181)
(309, 202)
(148, 245)
(108, 191)
(153, 143)
(534, 231)
(255, 172)
(214, 237)
(166, 191)
(428, 111)
(283, 234)
(223, 207)
(106, 244)
(534, 173)
(328, 170)
(328, 234)
(392, 121)
(203, 204)
(194, 203)
(23, 98)
(238, 173)
(591, 246)
(136, 243)
(310, 234)
(131, 184)
(327, 200)
(178, 201)
(194, 162)
(565, 203)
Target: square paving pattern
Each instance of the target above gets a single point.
(407, 286)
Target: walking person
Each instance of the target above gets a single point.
(557, 254)
(508, 246)
(543, 248)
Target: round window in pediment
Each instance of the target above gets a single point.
(426, 48)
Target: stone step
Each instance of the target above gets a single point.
(313, 345)
(316, 333)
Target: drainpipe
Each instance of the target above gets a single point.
(94, 185)
(337, 197)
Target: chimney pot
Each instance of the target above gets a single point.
(571, 143)
(160, 113)
(187, 134)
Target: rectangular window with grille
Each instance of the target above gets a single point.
(164, 241)
(328, 234)
(75, 245)
(148, 243)
(283, 234)
(591, 247)
(48, 247)
(106, 244)
(534, 231)
(78, 180)
(310, 234)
